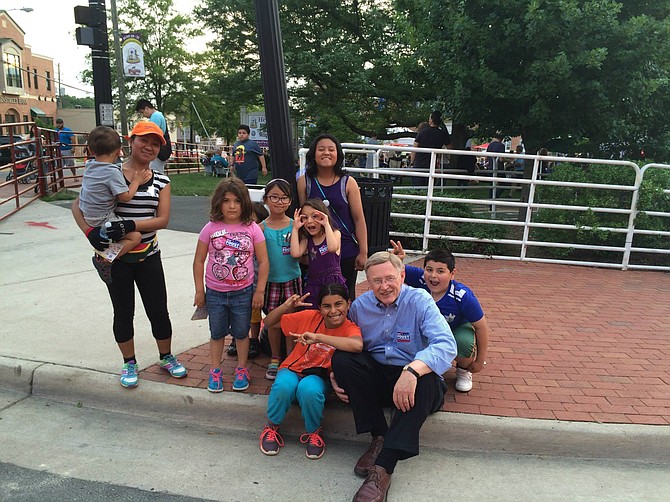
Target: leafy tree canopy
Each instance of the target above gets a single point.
(595, 69)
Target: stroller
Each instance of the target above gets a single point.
(21, 169)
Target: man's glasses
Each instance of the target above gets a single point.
(390, 279)
(276, 198)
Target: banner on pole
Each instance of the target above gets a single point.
(258, 128)
(133, 55)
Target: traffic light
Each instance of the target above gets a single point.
(95, 20)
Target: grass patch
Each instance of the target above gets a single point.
(62, 195)
(201, 185)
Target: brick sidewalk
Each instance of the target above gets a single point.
(567, 343)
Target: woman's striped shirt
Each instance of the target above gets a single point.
(144, 205)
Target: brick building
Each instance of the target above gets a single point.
(27, 85)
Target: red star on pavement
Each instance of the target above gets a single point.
(44, 224)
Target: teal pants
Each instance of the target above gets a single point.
(309, 392)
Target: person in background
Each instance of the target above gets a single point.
(497, 146)
(248, 156)
(148, 111)
(433, 136)
(65, 138)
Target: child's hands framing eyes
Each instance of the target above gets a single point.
(298, 220)
(320, 218)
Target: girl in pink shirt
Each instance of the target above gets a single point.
(228, 244)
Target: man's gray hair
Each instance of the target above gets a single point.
(383, 257)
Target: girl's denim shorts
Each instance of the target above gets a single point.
(229, 312)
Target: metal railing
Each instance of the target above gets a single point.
(522, 233)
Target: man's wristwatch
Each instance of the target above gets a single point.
(407, 367)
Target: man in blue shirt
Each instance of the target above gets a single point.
(148, 111)
(408, 345)
(65, 136)
(247, 157)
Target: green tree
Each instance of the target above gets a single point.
(347, 63)
(171, 68)
(74, 102)
(591, 69)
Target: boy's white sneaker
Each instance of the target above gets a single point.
(463, 380)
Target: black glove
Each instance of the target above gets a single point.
(96, 240)
(119, 229)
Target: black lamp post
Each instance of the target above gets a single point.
(274, 90)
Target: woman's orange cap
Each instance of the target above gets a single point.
(145, 127)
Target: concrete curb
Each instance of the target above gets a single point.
(17, 374)
(451, 431)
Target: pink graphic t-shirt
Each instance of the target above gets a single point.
(230, 256)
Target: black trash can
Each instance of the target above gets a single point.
(376, 195)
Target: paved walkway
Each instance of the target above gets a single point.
(567, 343)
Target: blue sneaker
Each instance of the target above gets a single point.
(215, 380)
(241, 379)
(171, 365)
(129, 376)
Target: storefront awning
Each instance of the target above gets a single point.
(37, 112)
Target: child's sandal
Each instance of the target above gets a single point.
(103, 267)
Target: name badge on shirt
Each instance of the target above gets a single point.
(403, 337)
(323, 249)
(286, 250)
(235, 244)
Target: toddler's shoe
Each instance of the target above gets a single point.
(103, 267)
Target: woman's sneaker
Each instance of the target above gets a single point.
(129, 377)
(316, 447)
(463, 380)
(271, 440)
(215, 380)
(241, 379)
(172, 366)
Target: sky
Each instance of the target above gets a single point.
(49, 31)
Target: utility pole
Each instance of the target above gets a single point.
(94, 17)
(59, 98)
(275, 94)
(120, 84)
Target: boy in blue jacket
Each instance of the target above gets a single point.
(459, 306)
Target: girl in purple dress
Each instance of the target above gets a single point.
(314, 234)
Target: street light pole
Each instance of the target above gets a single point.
(275, 93)
(123, 112)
